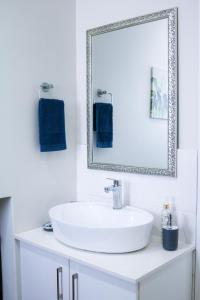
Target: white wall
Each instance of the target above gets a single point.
(121, 64)
(198, 203)
(37, 45)
(143, 191)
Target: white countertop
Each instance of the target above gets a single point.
(129, 266)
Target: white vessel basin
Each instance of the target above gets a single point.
(100, 228)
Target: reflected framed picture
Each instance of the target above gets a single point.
(159, 94)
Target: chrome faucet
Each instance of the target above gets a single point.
(116, 188)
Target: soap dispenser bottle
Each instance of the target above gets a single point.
(169, 229)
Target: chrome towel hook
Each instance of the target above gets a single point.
(101, 93)
(45, 87)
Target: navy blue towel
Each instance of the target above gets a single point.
(103, 124)
(51, 125)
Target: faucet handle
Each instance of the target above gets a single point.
(116, 182)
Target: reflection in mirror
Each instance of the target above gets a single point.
(131, 102)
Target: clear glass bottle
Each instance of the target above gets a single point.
(165, 215)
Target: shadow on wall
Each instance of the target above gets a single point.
(7, 250)
(1, 287)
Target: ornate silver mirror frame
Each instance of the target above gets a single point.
(171, 15)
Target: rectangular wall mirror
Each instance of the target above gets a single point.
(132, 95)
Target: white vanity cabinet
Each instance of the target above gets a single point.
(52, 271)
(44, 276)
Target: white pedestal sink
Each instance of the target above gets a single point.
(98, 227)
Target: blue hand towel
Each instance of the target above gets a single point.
(103, 124)
(51, 125)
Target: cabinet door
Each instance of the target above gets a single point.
(43, 276)
(89, 284)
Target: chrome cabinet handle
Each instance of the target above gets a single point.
(74, 286)
(59, 284)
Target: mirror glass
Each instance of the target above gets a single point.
(130, 105)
